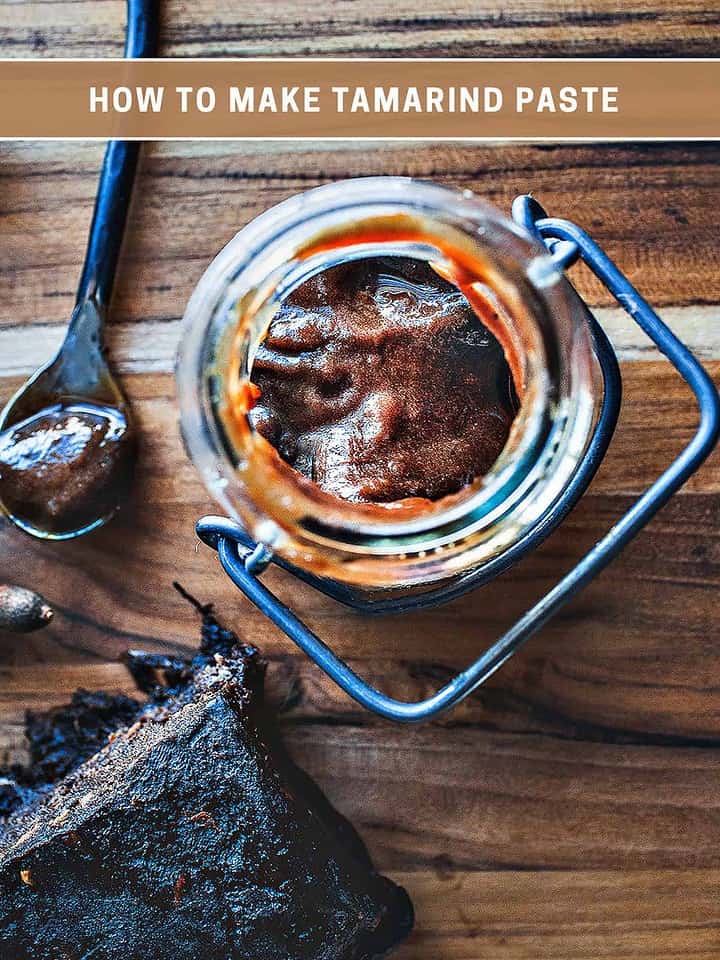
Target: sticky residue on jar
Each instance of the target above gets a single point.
(66, 466)
(378, 382)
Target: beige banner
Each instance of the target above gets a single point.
(315, 99)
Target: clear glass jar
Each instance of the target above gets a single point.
(541, 325)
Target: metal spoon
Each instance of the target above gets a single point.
(79, 375)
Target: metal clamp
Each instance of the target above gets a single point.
(243, 560)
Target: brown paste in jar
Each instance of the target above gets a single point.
(66, 466)
(377, 381)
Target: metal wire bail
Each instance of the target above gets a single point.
(244, 561)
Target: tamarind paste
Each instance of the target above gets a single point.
(66, 466)
(378, 381)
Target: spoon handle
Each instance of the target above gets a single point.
(108, 222)
(117, 176)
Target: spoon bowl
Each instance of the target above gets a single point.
(66, 439)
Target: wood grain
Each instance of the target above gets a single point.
(634, 656)
(570, 808)
(343, 27)
(648, 206)
(565, 915)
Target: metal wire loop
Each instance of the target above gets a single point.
(566, 242)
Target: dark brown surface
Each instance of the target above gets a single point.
(378, 382)
(570, 808)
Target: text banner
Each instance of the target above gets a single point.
(316, 99)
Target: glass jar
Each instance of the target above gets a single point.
(541, 323)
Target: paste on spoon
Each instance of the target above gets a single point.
(66, 466)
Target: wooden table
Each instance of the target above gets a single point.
(570, 808)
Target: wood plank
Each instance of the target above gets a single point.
(653, 395)
(659, 915)
(647, 204)
(518, 28)
(150, 346)
(632, 657)
(461, 799)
